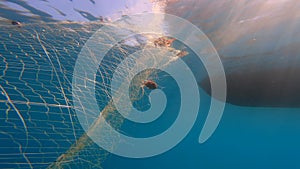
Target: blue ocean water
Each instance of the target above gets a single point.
(36, 85)
(246, 138)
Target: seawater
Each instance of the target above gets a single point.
(247, 137)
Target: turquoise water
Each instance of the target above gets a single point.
(38, 123)
(246, 138)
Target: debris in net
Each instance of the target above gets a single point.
(150, 84)
(104, 19)
(164, 42)
(16, 23)
(182, 53)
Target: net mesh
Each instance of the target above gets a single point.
(39, 128)
(38, 123)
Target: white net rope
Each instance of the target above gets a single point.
(39, 128)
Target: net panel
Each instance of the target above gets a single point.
(39, 128)
(38, 123)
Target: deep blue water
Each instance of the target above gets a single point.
(246, 138)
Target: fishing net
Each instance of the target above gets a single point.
(39, 126)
